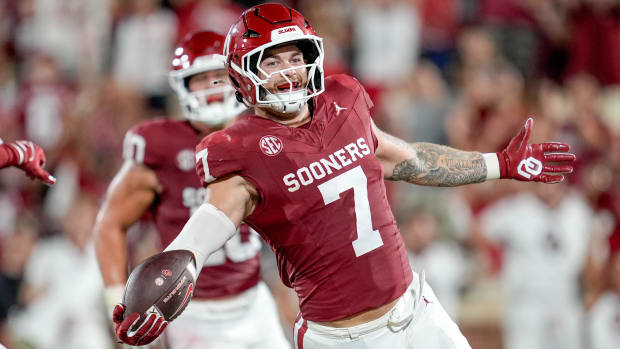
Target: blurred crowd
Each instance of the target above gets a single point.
(516, 265)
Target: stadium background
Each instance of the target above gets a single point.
(76, 74)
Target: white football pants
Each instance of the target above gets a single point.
(249, 321)
(417, 321)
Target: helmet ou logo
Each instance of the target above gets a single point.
(530, 167)
(270, 145)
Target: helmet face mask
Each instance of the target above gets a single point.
(266, 27)
(294, 99)
(198, 106)
(199, 53)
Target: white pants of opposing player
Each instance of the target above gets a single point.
(534, 325)
(417, 321)
(247, 321)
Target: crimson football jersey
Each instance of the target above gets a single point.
(167, 147)
(322, 206)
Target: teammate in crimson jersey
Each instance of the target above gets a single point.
(231, 307)
(28, 157)
(306, 172)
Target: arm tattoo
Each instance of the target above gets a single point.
(438, 165)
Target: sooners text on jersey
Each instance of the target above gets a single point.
(322, 207)
(167, 147)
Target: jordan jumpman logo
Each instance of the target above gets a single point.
(338, 108)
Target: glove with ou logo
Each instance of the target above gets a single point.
(545, 162)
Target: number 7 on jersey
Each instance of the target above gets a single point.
(368, 239)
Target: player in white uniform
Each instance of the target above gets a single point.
(545, 235)
(604, 317)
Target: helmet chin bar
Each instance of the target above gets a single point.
(291, 101)
(286, 103)
(196, 106)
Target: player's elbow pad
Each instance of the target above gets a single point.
(206, 231)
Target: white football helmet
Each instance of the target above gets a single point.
(201, 52)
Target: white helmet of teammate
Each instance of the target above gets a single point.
(198, 53)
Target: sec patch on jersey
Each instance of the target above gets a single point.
(163, 283)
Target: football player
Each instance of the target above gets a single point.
(231, 307)
(307, 171)
(603, 325)
(28, 157)
(545, 235)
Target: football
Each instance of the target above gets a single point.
(163, 283)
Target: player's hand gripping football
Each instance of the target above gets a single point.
(132, 331)
(545, 162)
(31, 159)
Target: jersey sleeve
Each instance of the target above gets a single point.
(215, 157)
(348, 85)
(365, 95)
(364, 98)
(140, 146)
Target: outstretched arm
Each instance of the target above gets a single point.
(28, 157)
(427, 163)
(438, 165)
